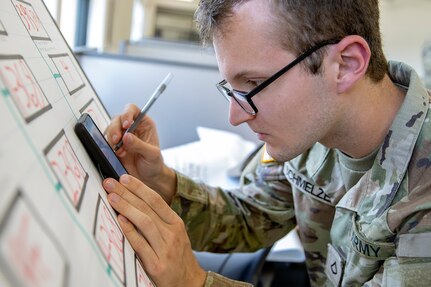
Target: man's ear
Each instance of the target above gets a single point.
(353, 56)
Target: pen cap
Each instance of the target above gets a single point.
(167, 79)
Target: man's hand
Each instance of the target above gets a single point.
(140, 152)
(155, 232)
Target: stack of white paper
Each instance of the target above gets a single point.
(208, 159)
(287, 249)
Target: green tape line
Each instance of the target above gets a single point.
(58, 186)
(5, 92)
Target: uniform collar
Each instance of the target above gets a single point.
(394, 156)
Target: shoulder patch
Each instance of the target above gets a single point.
(414, 245)
(334, 268)
(266, 158)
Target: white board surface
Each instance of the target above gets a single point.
(56, 228)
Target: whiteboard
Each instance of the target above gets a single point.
(56, 228)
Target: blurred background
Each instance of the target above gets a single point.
(126, 47)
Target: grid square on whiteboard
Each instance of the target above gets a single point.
(23, 87)
(28, 250)
(30, 20)
(96, 113)
(67, 168)
(68, 72)
(110, 240)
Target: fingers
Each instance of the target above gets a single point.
(137, 241)
(152, 199)
(145, 224)
(155, 232)
(148, 151)
(113, 131)
(120, 123)
(131, 111)
(111, 186)
(142, 198)
(171, 265)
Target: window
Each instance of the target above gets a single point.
(174, 24)
(65, 14)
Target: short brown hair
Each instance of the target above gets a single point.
(303, 23)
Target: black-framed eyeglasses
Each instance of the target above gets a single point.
(244, 99)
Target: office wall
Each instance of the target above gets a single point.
(405, 26)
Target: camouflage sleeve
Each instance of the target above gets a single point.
(411, 263)
(406, 270)
(216, 280)
(251, 217)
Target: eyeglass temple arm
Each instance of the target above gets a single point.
(295, 62)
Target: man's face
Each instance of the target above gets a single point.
(296, 110)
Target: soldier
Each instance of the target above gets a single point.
(346, 158)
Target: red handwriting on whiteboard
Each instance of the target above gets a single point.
(68, 169)
(110, 240)
(26, 247)
(69, 73)
(64, 65)
(28, 16)
(26, 256)
(66, 69)
(22, 85)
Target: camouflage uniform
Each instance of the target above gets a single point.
(361, 221)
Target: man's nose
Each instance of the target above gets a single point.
(237, 115)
